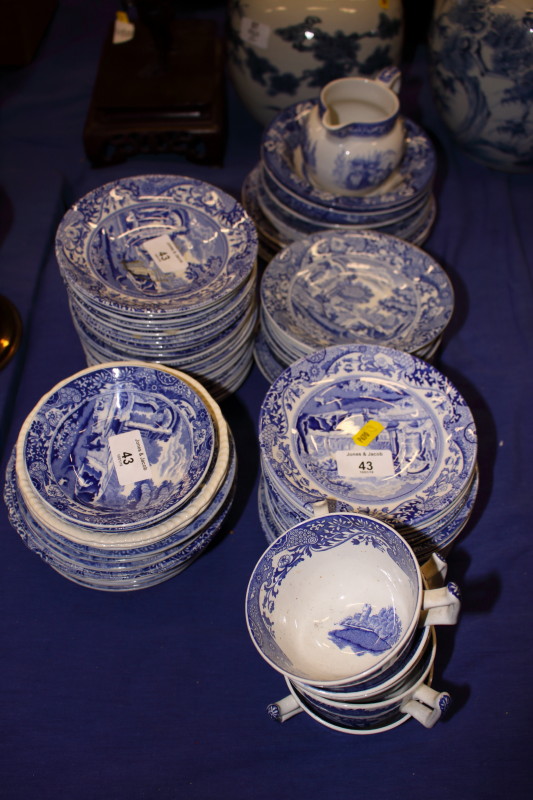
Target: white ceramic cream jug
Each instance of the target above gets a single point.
(354, 136)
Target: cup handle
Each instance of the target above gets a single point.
(441, 606)
(284, 709)
(426, 705)
(391, 77)
(434, 571)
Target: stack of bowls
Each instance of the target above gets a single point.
(363, 287)
(162, 268)
(339, 606)
(368, 429)
(121, 475)
(286, 206)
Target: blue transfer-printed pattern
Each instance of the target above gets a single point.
(66, 445)
(273, 711)
(362, 173)
(444, 702)
(105, 567)
(335, 54)
(322, 291)
(290, 549)
(283, 139)
(368, 632)
(483, 56)
(99, 244)
(175, 544)
(442, 462)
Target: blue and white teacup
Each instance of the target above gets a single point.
(354, 136)
(414, 698)
(337, 599)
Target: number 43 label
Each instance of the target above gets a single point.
(166, 255)
(129, 457)
(365, 463)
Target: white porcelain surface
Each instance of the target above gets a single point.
(336, 599)
(354, 136)
(365, 287)
(281, 53)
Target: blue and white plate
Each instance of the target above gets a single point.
(364, 287)
(420, 461)
(281, 157)
(80, 469)
(105, 244)
(286, 218)
(327, 216)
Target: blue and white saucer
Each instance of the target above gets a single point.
(364, 287)
(281, 157)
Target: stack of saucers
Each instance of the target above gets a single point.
(122, 475)
(335, 604)
(162, 268)
(359, 286)
(369, 429)
(286, 206)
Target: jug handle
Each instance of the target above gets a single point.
(391, 77)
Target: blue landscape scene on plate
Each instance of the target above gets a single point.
(364, 287)
(100, 244)
(69, 460)
(429, 432)
(330, 416)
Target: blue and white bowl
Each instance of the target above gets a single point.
(139, 529)
(162, 268)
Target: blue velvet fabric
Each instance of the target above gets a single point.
(160, 693)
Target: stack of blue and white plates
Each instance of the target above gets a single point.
(162, 268)
(122, 475)
(368, 429)
(285, 206)
(362, 287)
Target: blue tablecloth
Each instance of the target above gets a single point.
(160, 693)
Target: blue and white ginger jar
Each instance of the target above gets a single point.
(282, 53)
(482, 78)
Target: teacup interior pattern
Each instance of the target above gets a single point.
(334, 598)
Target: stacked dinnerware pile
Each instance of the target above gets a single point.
(162, 268)
(341, 608)
(342, 287)
(369, 429)
(121, 475)
(286, 206)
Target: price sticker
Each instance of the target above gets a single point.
(365, 463)
(256, 33)
(166, 255)
(129, 457)
(368, 432)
